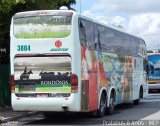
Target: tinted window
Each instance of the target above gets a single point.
(82, 32)
(86, 29)
(96, 36)
(97, 44)
(47, 26)
(154, 67)
(90, 34)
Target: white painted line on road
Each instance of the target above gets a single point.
(147, 100)
(154, 116)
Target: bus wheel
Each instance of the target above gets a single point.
(111, 108)
(136, 102)
(141, 92)
(102, 108)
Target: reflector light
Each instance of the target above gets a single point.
(74, 83)
(12, 83)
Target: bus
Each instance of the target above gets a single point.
(62, 61)
(154, 71)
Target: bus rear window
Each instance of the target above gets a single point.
(46, 26)
(154, 67)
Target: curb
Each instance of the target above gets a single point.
(5, 120)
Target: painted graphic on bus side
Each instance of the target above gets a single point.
(110, 69)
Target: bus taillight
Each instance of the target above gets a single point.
(74, 83)
(12, 83)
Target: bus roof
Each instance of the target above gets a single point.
(69, 12)
(112, 27)
(43, 12)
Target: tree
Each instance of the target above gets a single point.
(149, 51)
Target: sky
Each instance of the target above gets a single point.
(138, 17)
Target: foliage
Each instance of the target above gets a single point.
(149, 51)
(8, 6)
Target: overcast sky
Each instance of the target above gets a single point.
(139, 17)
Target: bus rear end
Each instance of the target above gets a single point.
(42, 74)
(154, 71)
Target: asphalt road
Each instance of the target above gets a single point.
(148, 109)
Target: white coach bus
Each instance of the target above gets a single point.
(62, 61)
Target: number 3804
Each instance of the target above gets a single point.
(23, 48)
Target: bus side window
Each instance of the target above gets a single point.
(82, 32)
(97, 43)
(145, 65)
(90, 34)
(150, 68)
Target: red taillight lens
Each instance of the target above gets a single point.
(74, 83)
(12, 83)
(74, 80)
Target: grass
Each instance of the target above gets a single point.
(43, 34)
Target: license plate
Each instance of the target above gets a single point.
(27, 87)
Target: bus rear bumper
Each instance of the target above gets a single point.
(153, 86)
(46, 104)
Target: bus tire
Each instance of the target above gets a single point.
(102, 108)
(141, 92)
(136, 102)
(111, 108)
